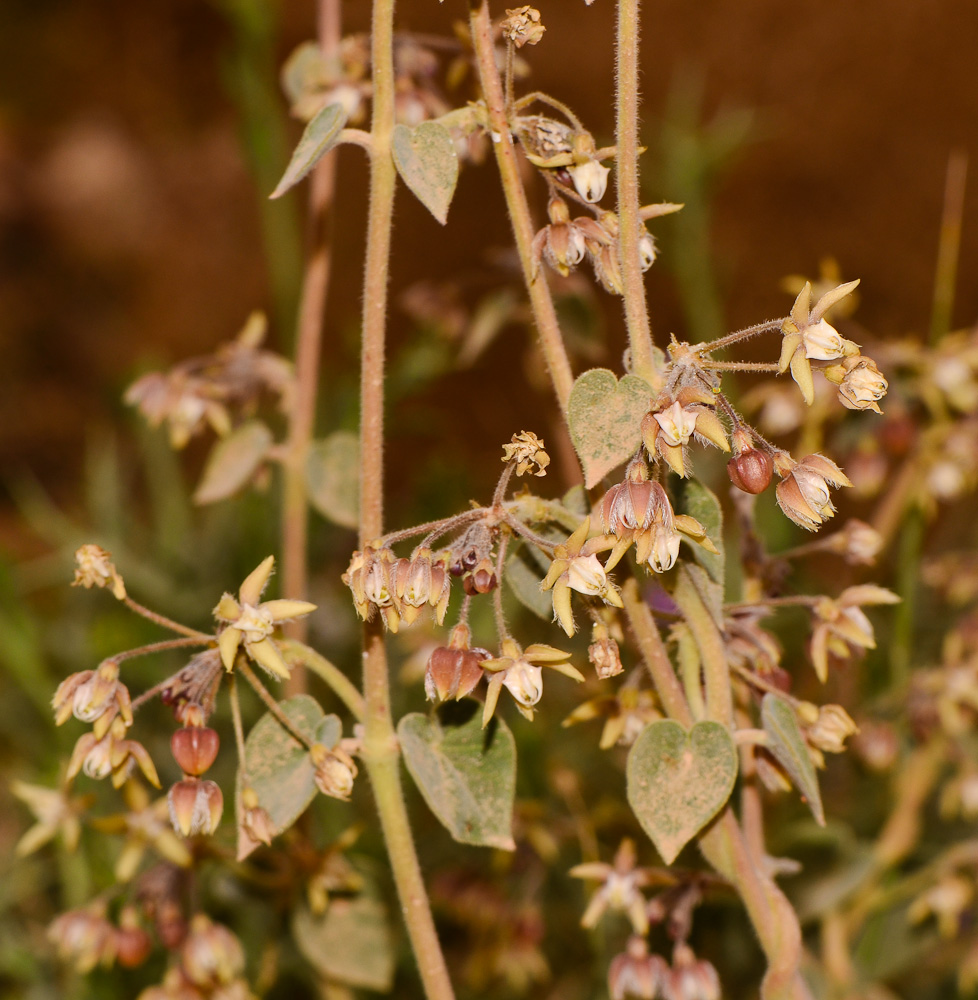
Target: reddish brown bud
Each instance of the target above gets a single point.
(133, 946)
(481, 580)
(195, 806)
(453, 673)
(195, 748)
(751, 470)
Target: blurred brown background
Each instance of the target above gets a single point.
(138, 141)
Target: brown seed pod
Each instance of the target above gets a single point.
(751, 470)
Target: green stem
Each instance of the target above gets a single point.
(630, 225)
(654, 654)
(312, 307)
(380, 751)
(716, 673)
(296, 652)
(541, 302)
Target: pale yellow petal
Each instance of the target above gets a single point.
(251, 590)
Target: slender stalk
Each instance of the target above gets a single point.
(160, 647)
(271, 704)
(544, 314)
(312, 307)
(949, 245)
(716, 673)
(162, 620)
(654, 653)
(380, 752)
(630, 226)
(296, 652)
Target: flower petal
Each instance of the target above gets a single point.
(254, 584)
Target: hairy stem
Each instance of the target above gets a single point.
(630, 223)
(544, 314)
(380, 751)
(312, 307)
(654, 654)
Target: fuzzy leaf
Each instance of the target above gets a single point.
(790, 750)
(701, 503)
(350, 943)
(427, 161)
(605, 417)
(320, 136)
(233, 461)
(678, 781)
(466, 774)
(525, 585)
(333, 478)
(279, 767)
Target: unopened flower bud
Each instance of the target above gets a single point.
(831, 729)
(195, 806)
(482, 579)
(751, 470)
(453, 673)
(635, 973)
(195, 748)
(211, 956)
(133, 943)
(255, 820)
(334, 771)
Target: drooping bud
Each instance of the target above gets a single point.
(133, 943)
(453, 673)
(255, 820)
(195, 806)
(195, 748)
(211, 955)
(635, 973)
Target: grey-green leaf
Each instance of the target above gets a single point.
(790, 750)
(278, 766)
(333, 478)
(233, 461)
(525, 585)
(701, 503)
(466, 774)
(320, 136)
(678, 781)
(605, 418)
(350, 943)
(427, 161)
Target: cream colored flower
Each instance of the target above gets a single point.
(520, 673)
(250, 622)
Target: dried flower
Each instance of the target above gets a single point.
(603, 653)
(522, 26)
(520, 672)
(526, 449)
(255, 821)
(803, 494)
(96, 569)
(690, 978)
(250, 622)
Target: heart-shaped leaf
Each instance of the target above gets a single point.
(278, 766)
(320, 136)
(333, 478)
(233, 461)
(605, 417)
(466, 774)
(678, 781)
(427, 161)
(350, 943)
(790, 750)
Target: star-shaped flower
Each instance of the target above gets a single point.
(809, 337)
(520, 673)
(250, 622)
(576, 567)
